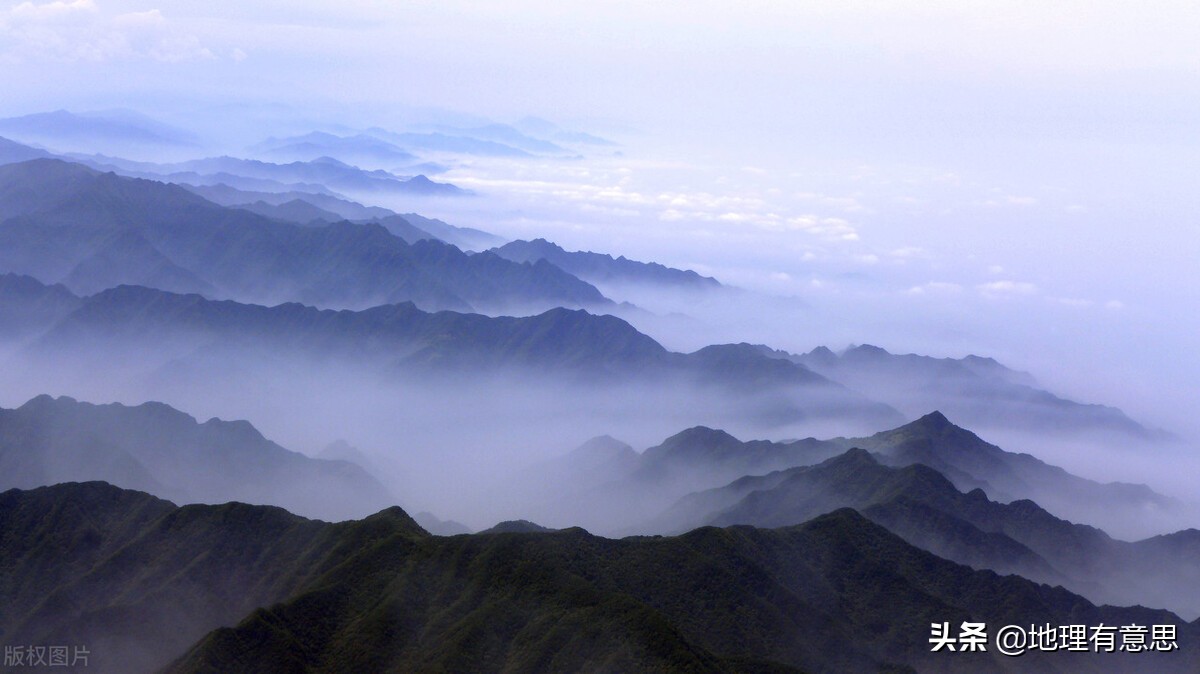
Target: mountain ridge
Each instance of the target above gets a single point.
(599, 268)
(380, 594)
(53, 215)
(155, 448)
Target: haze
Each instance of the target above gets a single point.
(1009, 179)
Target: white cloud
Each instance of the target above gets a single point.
(82, 31)
(1007, 288)
(942, 287)
(51, 12)
(829, 228)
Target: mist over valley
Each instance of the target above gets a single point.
(822, 338)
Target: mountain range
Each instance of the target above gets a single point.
(148, 584)
(447, 143)
(541, 128)
(12, 152)
(358, 148)
(64, 222)
(307, 208)
(919, 504)
(970, 462)
(702, 458)
(343, 208)
(381, 145)
(254, 289)
(500, 133)
(92, 231)
(324, 171)
(97, 130)
(981, 392)
(600, 269)
(155, 448)
(141, 322)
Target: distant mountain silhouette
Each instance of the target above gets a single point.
(291, 206)
(127, 258)
(28, 307)
(324, 171)
(12, 152)
(226, 195)
(155, 448)
(136, 318)
(500, 133)
(967, 461)
(702, 458)
(359, 147)
(55, 216)
(466, 238)
(922, 506)
(438, 527)
(718, 456)
(608, 487)
(453, 143)
(297, 210)
(600, 269)
(980, 392)
(970, 462)
(94, 130)
(542, 128)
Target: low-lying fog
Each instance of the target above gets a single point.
(473, 447)
(894, 176)
(1085, 287)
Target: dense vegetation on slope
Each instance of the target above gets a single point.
(139, 578)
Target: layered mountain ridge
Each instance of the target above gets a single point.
(380, 594)
(153, 447)
(63, 222)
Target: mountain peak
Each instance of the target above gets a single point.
(699, 434)
(866, 350)
(397, 517)
(855, 458)
(933, 420)
(698, 443)
(46, 401)
(858, 454)
(603, 445)
(517, 527)
(48, 167)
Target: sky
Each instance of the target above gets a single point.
(1011, 178)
